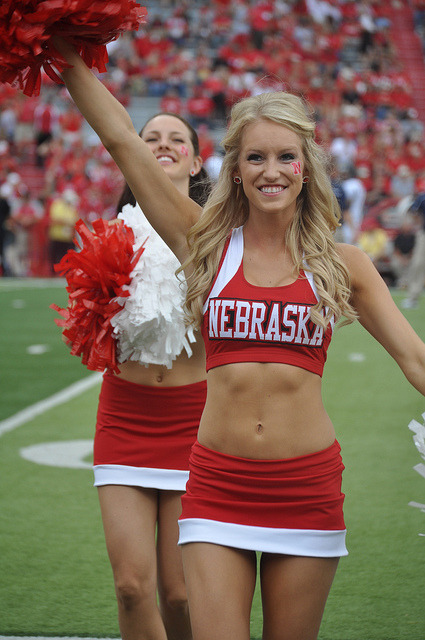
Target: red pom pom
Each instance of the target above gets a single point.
(96, 275)
(26, 28)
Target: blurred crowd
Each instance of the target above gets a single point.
(197, 58)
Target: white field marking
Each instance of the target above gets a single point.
(24, 416)
(68, 454)
(417, 505)
(38, 349)
(356, 357)
(19, 304)
(14, 284)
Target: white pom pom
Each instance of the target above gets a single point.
(419, 440)
(150, 328)
(419, 437)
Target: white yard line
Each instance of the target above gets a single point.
(52, 638)
(14, 284)
(38, 408)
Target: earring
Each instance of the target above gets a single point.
(237, 180)
(192, 172)
(305, 179)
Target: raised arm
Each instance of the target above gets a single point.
(170, 212)
(380, 316)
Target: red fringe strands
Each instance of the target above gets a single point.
(27, 27)
(97, 273)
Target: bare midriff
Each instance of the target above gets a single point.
(264, 411)
(184, 371)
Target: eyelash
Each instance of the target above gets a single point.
(177, 140)
(256, 157)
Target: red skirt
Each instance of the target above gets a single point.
(292, 506)
(144, 434)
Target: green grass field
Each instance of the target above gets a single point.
(55, 577)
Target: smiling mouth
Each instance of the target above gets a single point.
(165, 159)
(272, 189)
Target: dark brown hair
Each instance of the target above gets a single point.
(199, 185)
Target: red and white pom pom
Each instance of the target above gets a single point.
(97, 274)
(27, 27)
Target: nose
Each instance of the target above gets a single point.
(271, 170)
(163, 143)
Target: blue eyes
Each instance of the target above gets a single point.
(257, 157)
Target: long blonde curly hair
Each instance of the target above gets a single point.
(309, 237)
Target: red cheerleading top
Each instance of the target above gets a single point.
(246, 323)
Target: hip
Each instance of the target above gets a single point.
(292, 506)
(121, 399)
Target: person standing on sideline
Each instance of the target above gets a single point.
(62, 217)
(355, 194)
(267, 283)
(341, 198)
(416, 273)
(5, 213)
(403, 245)
(46, 118)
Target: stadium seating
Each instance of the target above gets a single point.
(359, 64)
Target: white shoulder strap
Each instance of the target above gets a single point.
(314, 288)
(230, 265)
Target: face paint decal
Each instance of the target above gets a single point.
(184, 151)
(296, 167)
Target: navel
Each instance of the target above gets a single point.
(259, 428)
(160, 375)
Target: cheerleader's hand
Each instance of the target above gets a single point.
(27, 29)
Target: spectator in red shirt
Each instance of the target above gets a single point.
(70, 123)
(171, 102)
(206, 143)
(45, 121)
(262, 21)
(216, 84)
(200, 107)
(23, 223)
(24, 136)
(177, 27)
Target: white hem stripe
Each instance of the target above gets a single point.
(167, 479)
(298, 542)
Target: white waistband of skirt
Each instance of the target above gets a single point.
(167, 479)
(295, 542)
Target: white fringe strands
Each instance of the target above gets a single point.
(419, 440)
(150, 328)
